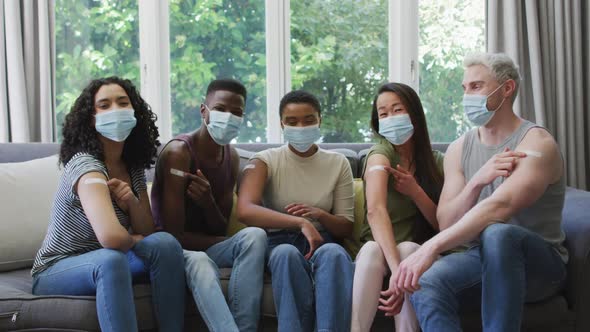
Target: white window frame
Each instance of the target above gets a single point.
(154, 59)
(154, 37)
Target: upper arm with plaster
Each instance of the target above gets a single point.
(95, 181)
(533, 174)
(249, 166)
(377, 168)
(177, 172)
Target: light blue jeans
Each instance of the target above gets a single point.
(511, 266)
(108, 274)
(244, 253)
(325, 279)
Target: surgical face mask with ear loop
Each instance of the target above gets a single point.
(476, 109)
(116, 125)
(223, 126)
(301, 138)
(396, 129)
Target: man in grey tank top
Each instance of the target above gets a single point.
(502, 200)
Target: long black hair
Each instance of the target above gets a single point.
(427, 173)
(80, 135)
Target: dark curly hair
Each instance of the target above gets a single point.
(80, 135)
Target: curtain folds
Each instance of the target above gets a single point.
(27, 66)
(549, 40)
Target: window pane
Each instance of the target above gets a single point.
(339, 53)
(212, 39)
(449, 30)
(93, 39)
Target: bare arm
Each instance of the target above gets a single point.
(140, 215)
(376, 193)
(531, 177)
(98, 207)
(252, 213)
(173, 210)
(528, 182)
(459, 197)
(250, 209)
(456, 197)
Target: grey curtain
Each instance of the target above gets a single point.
(549, 40)
(27, 65)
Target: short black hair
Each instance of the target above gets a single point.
(227, 84)
(299, 97)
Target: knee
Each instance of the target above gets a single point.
(370, 259)
(370, 251)
(497, 238)
(431, 288)
(407, 248)
(197, 258)
(331, 252)
(165, 243)
(253, 237)
(285, 254)
(113, 261)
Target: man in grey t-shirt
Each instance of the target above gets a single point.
(502, 197)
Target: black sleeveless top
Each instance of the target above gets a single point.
(221, 180)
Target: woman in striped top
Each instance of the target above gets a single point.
(109, 138)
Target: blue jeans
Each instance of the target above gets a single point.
(509, 267)
(108, 275)
(244, 253)
(296, 282)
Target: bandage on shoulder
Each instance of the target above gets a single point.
(177, 172)
(95, 181)
(249, 166)
(377, 168)
(532, 153)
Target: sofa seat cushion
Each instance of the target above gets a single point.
(78, 313)
(551, 314)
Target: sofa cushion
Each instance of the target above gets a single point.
(26, 197)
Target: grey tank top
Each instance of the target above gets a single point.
(544, 216)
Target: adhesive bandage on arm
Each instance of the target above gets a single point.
(532, 153)
(377, 168)
(249, 166)
(95, 181)
(177, 172)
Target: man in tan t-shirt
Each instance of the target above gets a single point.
(303, 196)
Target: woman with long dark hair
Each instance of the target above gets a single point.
(403, 178)
(109, 139)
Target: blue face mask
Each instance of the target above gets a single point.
(223, 126)
(301, 138)
(116, 125)
(476, 109)
(396, 129)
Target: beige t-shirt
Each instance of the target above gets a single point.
(323, 180)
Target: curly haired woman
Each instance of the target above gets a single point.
(109, 139)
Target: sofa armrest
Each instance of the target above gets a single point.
(576, 225)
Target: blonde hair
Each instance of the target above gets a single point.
(500, 65)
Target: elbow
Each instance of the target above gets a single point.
(122, 242)
(246, 213)
(442, 220)
(375, 214)
(498, 209)
(243, 213)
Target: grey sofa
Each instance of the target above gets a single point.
(22, 311)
